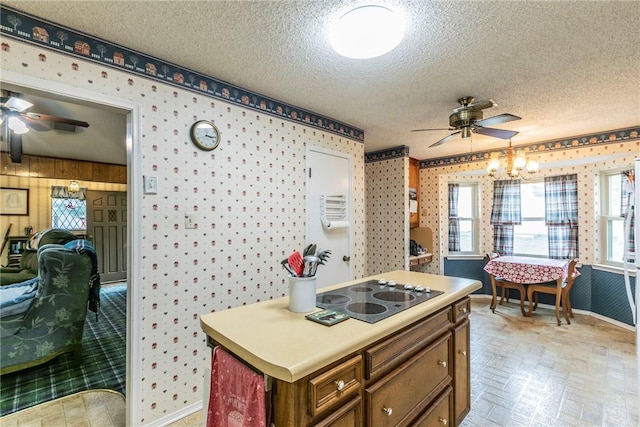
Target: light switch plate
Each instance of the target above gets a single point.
(189, 220)
(150, 184)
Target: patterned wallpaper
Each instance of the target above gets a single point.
(587, 162)
(387, 219)
(248, 197)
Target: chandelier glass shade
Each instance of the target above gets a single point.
(74, 186)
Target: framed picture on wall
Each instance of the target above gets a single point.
(14, 201)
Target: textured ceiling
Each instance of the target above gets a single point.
(567, 68)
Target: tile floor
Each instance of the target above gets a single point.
(92, 408)
(531, 372)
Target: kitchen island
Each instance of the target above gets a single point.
(410, 368)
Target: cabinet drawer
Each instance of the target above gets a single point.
(348, 415)
(439, 414)
(398, 397)
(335, 385)
(461, 309)
(386, 355)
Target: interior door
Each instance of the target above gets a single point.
(107, 227)
(329, 174)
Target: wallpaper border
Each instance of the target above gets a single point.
(387, 154)
(75, 43)
(607, 137)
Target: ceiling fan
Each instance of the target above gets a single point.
(467, 119)
(19, 120)
(16, 120)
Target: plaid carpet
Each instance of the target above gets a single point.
(103, 365)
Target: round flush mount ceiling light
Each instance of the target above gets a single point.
(367, 32)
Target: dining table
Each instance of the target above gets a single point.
(527, 270)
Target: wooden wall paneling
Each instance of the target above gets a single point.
(101, 172)
(48, 167)
(118, 174)
(84, 169)
(42, 167)
(66, 169)
(8, 168)
(23, 168)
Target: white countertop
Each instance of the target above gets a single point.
(285, 345)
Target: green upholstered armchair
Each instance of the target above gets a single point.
(52, 322)
(28, 268)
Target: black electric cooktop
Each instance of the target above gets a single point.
(375, 300)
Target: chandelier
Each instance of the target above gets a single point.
(516, 166)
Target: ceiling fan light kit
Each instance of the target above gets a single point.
(17, 125)
(367, 32)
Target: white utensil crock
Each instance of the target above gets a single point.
(302, 294)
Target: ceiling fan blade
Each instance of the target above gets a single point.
(15, 147)
(445, 139)
(34, 124)
(49, 118)
(496, 133)
(17, 104)
(500, 118)
(422, 130)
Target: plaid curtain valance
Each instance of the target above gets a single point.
(61, 192)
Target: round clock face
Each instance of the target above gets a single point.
(205, 135)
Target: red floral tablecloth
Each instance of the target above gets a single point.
(520, 269)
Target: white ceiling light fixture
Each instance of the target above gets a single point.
(17, 125)
(367, 32)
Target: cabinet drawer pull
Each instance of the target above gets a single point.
(442, 363)
(387, 411)
(442, 421)
(464, 310)
(462, 352)
(339, 385)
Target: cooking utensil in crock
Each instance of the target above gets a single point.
(310, 266)
(323, 256)
(309, 250)
(285, 265)
(296, 263)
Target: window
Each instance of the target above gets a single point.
(612, 220)
(466, 209)
(531, 237)
(68, 208)
(69, 214)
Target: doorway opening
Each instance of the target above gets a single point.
(125, 151)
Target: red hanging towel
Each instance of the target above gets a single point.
(237, 397)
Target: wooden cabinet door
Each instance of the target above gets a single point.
(462, 371)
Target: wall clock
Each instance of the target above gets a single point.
(205, 135)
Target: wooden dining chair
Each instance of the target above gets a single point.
(505, 285)
(562, 295)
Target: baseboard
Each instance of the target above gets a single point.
(177, 416)
(575, 310)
